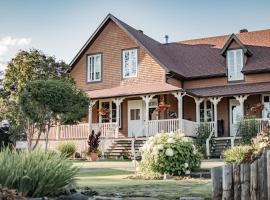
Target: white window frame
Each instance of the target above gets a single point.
(235, 76)
(110, 108)
(129, 63)
(92, 68)
(263, 111)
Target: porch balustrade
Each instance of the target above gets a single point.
(164, 125)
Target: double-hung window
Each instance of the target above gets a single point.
(94, 68)
(235, 64)
(130, 63)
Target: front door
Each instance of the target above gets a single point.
(135, 118)
(235, 113)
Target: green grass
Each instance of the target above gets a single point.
(111, 178)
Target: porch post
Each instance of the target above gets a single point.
(215, 101)
(91, 104)
(241, 99)
(179, 96)
(117, 102)
(146, 99)
(198, 102)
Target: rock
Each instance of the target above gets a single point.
(191, 198)
(75, 196)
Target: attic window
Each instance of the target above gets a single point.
(235, 64)
(94, 68)
(130, 63)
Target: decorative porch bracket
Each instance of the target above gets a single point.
(215, 101)
(91, 105)
(198, 102)
(241, 99)
(179, 96)
(147, 99)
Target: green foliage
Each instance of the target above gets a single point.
(237, 153)
(32, 65)
(202, 133)
(67, 149)
(247, 129)
(44, 101)
(169, 153)
(35, 173)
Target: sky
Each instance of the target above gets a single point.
(61, 27)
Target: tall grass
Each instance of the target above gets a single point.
(67, 149)
(35, 173)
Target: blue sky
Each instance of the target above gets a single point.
(61, 27)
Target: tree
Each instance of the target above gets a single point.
(46, 102)
(27, 66)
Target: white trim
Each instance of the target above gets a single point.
(235, 76)
(130, 63)
(93, 67)
(263, 111)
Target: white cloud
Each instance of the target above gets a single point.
(9, 46)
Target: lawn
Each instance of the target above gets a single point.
(110, 178)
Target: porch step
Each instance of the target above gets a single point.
(219, 145)
(122, 148)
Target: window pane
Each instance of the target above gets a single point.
(235, 64)
(132, 114)
(137, 114)
(94, 68)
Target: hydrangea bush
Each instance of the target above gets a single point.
(169, 153)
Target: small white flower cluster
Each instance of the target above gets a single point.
(169, 152)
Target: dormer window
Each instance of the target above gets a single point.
(235, 64)
(130, 63)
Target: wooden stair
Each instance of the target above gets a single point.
(122, 148)
(219, 145)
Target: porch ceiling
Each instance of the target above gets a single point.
(133, 90)
(230, 90)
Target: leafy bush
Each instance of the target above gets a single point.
(35, 173)
(247, 129)
(67, 149)
(238, 153)
(202, 133)
(169, 153)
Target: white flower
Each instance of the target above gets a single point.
(181, 134)
(160, 147)
(186, 165)
(169, 152)
(188, 172)
(172, 134)
(171, 141)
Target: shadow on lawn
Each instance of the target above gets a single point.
(86, 172)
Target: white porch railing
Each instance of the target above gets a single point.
(189, 127)
(108, 130)
(78, 131)
(211, 128)
(164, 125)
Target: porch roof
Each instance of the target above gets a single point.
(230, 90)
(133, 90)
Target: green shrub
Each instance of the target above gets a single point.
(238, 153)
(169, 153)
(35, 173)
(247, 129)
(202, 133)
(67, 148)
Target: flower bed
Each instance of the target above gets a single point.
(169, 153)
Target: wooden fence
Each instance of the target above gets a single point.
(247, 181)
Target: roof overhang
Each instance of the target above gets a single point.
(133, 90)
(230, 90)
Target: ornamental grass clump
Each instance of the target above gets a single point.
(35, 173)
(169, 153)
(67, 149)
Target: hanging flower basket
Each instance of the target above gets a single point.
(104, 112)
(162, 107)
(257, 108)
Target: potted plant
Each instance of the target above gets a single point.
(93, 142)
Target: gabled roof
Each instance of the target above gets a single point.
(153, 47)
(233, 38)
(199, 58)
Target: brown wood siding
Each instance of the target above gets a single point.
(111, 41)
(189, 108)
(175, 82)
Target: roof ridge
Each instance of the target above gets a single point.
(220, 36)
